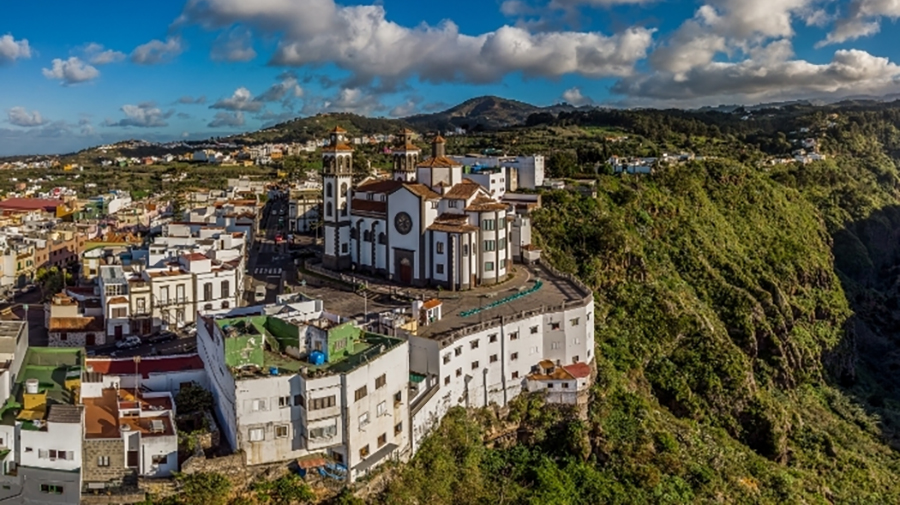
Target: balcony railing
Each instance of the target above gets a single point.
(165, 302)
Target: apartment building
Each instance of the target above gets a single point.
(295, 380)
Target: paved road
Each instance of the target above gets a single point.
(184, 345)
(270, 263)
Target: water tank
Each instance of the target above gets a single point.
(317, 357)
(273, 370)
(32, 386)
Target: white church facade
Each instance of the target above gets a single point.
(427, 225)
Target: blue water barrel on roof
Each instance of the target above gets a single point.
(317, 357)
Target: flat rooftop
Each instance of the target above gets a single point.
(555, 291)
(51, 367)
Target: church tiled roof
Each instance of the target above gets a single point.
(382, 186)
(439, 162)
(421, 190)
(463, 191)
(368, 206)
(484, 204)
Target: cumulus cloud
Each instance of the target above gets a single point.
(355, 100)
(143, 115)
(227, 119)
(573, 96)
(189, 100)
(286, 88)
(241, 99)
(96, 54)
(233, 45)
(71, 71)
(12, 49)
(19, 116)
(770, 73)
(405, 109)
(361, 40)
(863, 18)
(157, 51)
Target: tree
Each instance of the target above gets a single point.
(562, 164)
(51, 281)
(193, 399)
(206, 488)
(284, 490)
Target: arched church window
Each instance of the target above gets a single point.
(344, 208)
(328, 211)
(353, 233)
(382, 238)
(367, 236)
(344, 189)
(328, 190)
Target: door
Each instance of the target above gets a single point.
(118, 331)
(404, 264)
(405, 271)
(91, 339)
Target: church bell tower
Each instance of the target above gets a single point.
(337, 173)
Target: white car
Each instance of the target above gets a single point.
(128, 342)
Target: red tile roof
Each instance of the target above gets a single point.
(30, 204)
(195, 257)
(378, 186)
(430, 304)
(463, 191)
(147, 366)
(421, 190)
(371, 206)
(76, 324)
(117, 300)
(579, 370)
(439, 162)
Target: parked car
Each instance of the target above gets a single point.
(260, 293)
(128, 342)
(159, 338)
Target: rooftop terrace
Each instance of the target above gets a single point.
(263, 344)
(57, 372)
(120, 410)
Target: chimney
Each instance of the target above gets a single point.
(437, 147)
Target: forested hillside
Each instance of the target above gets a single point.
(747, 324)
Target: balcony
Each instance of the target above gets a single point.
(167, 302)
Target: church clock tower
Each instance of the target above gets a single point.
(406, 157)
(337, 171)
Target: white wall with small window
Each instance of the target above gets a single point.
(159, 455)
(57, 448)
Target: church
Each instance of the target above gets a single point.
(428, 225)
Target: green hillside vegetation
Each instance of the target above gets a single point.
(747, 324)
(318, 126)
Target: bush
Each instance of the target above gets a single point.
(204, 488)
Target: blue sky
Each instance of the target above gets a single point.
(76, 74)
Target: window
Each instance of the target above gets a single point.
(458, 351)
(577, 341)
(501, 244)
(440, 269)
(447, 380)
(382, 238)
(207, 292)
(208, 306)
(398, 428)
(554, 326)
(328, 209)
(489, 245)
(446, 358)
(380, 381)
(257, 434)
(141, 306)
(474, 344)
(299, 401)
(488, 224)
(550, 385)
(258, 405)
(492, 338)
(281, 431)
(321, 403)
(474, 365)
(29, 449)
(575, 359)
(398, 396)
(465, 249)
(51, 489)
(363, 420)
(514, 356)
(323, 432)
(284, 401)
(493, 358)
(328, 190)
(120, 313)
(534, 329)
(103, 461)
(179, 293)
(344, 248)
(364, 452)
(459, 372)
(489, 266)
(434, 204)
(439, 247)
(226, 289)
(514, 335)
(360, 393)
(515, 375)
(453, 204)
(573, 321)
(533, 350)
(382, 439)
(554, 345)
(381, 409)
(565, 385)
(160, 459)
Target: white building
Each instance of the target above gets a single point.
(427, 225)
(294, 380)
(526, 171)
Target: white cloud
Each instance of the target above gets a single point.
(287, 88)
(573, 96)
(189, 100)
(143, 115)
(19, 116)
(405, 109)
(71, 71)
(227, 119)
(96, 54)
(360, 39)
(233, 45)
(355, 100)
(863, 19)
(12, 49)
(241, 99)
(770, 73)
(157, 51)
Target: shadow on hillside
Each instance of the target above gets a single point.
(866, 364)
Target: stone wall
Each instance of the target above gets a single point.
(114, 449)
